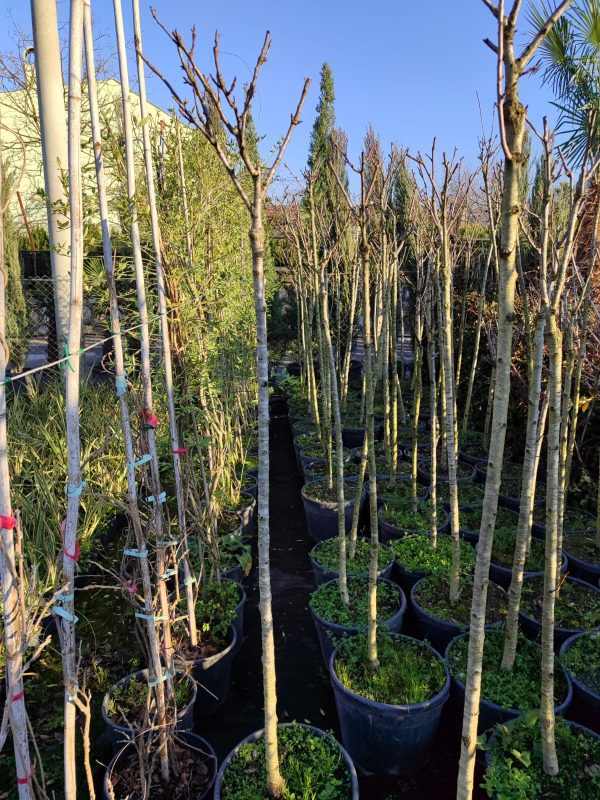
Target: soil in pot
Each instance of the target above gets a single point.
(503, 551)
(312, 766)
(398, 493)
(510, 492)
(580, 656)
(577, 607)
(321, 492)
(334, 619)
(193, 779)
(408, 673)
(439, 620)
(403, 518)
(416, 558)
(389, 714)
(228, 522)
(465, 473)
(327, 603)
(319, 470)
(326, 554)
(575, 520)
(515, 770)
(321, 511)
(216, 610)
(469, 494)
(131, 703)
(470, 522)
(514, 691)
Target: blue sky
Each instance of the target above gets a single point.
(411, 69)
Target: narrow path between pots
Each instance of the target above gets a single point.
(302, 683)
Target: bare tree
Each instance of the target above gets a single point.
(213, 105)
(511, 116)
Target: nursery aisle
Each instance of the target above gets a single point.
(302, 683)
(302, 686)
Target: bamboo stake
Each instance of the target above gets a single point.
(155, 667)
(164, 328)
(147, 411)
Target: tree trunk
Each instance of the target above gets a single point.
(66, 611)
(514, 115)
(275, 783)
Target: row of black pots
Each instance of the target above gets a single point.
(207, 762)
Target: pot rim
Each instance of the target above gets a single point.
(558, 708)
(559, 628)
(401, 610)
(143, 673)
(218, 782)
(212, 759)
(433, 701)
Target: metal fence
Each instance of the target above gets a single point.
(41, 325)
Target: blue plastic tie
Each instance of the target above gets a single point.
(60, 612)
(141, 460)
(164, 677)
(75, 491)
(121, 385)
(167, 542)
(162, 498)
(150, 617)
(65, 598)
(135, 553)
(168, 574)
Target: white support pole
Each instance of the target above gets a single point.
(53, 125)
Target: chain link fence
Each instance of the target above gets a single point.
(42, 344)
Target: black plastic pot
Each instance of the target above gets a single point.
(585, 708)
(492, 740)
(540, 530)
(424, 473)
(353, 437)
(233, 573)
(198, 745)
(213, 676)
(119, 735)
(579, 568)
(491, 714)
(389, 531)
(247, 513)
(323, 575)
(321, 516)
(254, 737)
(503, 575)
(432, 629)
(395, 739)
(533, 627)
(329, 632)
(252, 490)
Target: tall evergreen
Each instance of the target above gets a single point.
(320, 137)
